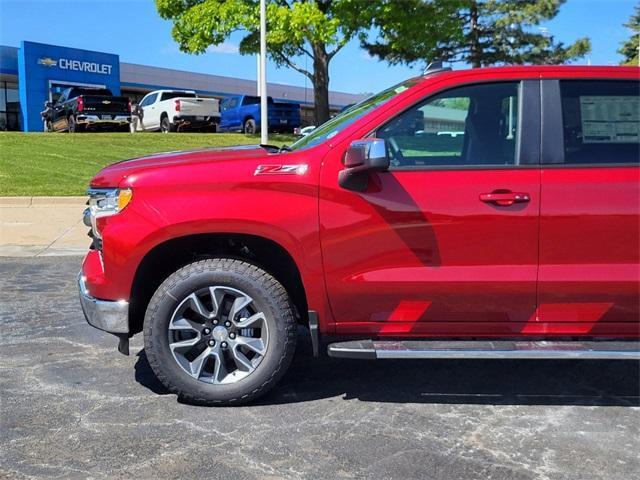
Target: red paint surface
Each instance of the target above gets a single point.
(419, 253)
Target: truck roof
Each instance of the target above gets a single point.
(174, 91)
(577, 70)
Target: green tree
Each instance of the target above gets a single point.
(630, 48)
(489, 32)
(317, 29)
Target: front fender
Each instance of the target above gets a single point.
(284, 213)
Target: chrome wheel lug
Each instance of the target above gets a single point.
(223, 344)
(207, 331)
(232, 335)
(227, 323)
(215, 322)
(211, 343)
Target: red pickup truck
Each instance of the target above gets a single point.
(490, 213)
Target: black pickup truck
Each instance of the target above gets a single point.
(79, 109)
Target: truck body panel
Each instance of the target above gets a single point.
(88, 107)
(183, 109)
(419, 253)
(238, 110)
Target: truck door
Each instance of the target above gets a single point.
(589, 280)
(231, 117)
(225, 113)
(151, 115)
(446, 242)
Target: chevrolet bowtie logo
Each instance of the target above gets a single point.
(47, 62)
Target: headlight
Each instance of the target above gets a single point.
(104, 202)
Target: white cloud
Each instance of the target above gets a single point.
(226, 47)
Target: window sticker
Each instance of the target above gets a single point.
(610, 119)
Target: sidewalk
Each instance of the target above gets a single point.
(42, 226)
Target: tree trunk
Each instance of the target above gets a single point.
(475, 50)
(320, 84)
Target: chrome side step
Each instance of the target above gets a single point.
(517, 349)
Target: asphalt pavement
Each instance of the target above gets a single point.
(71, 406)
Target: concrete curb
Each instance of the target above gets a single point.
(40, 201)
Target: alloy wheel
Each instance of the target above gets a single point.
(218, 335)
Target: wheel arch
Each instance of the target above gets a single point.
(167, 257)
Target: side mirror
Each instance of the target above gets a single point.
(362, 157)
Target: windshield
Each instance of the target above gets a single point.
(332, 127)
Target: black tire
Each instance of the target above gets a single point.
(249, 126)
(267, 293)
(166, 126)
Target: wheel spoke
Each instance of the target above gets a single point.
(254, 344)
(215, 299)
(220, 370)
(254, 321)
(238, 305)
(183, 343)
(185, 324)
(197, 306)
(197, 364)
(241, 361)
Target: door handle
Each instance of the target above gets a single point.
(504, 199)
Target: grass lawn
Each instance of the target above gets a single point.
(38, 164)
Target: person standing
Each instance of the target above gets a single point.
(137, 115)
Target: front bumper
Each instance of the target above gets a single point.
(110, 316)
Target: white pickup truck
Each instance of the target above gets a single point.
(178, 110)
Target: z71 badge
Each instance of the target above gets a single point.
(299, 169)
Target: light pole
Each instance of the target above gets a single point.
(264, 120)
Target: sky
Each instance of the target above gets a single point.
(133, 30)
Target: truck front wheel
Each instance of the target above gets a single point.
(219, 332)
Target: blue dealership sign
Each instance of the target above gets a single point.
(44, 69)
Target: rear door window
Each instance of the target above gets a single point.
(248, 100)
(601, 121)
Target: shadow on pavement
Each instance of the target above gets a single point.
(145, 376)
(485, 382)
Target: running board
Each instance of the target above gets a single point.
(414, 349)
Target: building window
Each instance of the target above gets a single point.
(9, 106)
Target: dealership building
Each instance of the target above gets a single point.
(36, 73)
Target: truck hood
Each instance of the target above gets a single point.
(112, 175)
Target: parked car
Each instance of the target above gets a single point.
(80, 108)
(242, 113)
(517, 239)
(179, 110)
